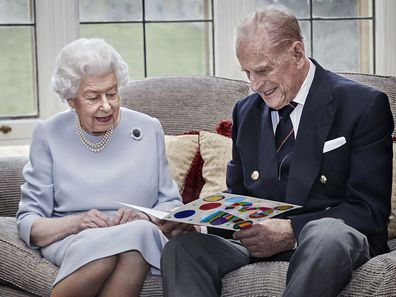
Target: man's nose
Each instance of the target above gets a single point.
(255, 83)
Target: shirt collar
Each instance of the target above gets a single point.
(303, 92)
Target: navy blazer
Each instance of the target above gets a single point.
(359, 173)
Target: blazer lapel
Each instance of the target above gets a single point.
(265, 150)
(315, 123)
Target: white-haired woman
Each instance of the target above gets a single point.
(82, 162)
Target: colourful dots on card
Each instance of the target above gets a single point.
(213, 198)
(234, 199)
(184, 214)
(283, 207)
(208, 206)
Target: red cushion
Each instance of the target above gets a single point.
(224, 128)
(194, 180)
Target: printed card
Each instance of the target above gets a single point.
(222, 210)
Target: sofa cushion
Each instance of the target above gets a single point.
(20, 266)
(216, 152)
(374, 278)
(181, 151)
(10, 181)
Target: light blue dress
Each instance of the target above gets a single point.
(64, 178)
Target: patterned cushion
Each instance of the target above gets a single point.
(181, 151)
(216, 152)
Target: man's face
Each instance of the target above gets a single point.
(276, 75)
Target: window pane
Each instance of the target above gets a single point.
(306, 33)
(342, 8)
(344, 45)
(104, 10)
(178, 10)
(179, 48)
(127, 39)
(15, 11)
(17, 72)
(299, 8)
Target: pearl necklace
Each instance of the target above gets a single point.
(95, 147)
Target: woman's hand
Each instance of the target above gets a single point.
(94, 219)
(125, 215)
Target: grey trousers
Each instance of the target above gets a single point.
(328, 251)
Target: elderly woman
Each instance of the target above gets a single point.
(82, 163)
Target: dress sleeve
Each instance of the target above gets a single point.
(168, 192)
(37, 191)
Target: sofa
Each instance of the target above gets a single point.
(194, 112)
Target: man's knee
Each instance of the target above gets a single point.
(334, 235)
(188, 242)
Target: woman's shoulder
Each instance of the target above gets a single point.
(134, 116)
(57, 121)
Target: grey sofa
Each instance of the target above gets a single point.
(181, 104)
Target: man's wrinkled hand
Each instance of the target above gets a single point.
(172, 229)
(267, 238)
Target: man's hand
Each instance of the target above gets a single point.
(267, 238)
(172, 229)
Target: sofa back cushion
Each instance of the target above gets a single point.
(185, 103)
(10, 182)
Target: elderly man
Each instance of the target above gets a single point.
(306, 136)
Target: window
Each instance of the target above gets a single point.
(158, 37)
(17, 59)
(155, 37)
(339, 34)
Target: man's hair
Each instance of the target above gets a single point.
(275, 26)
(84, 57)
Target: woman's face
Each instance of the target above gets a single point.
(97, 103)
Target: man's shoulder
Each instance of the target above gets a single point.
(342, 86)
(252, 100)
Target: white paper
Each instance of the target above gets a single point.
(154, 212)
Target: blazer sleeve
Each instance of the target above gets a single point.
(37, 191)
(366, 205)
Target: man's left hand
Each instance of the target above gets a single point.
(172, 229)
(267, 238)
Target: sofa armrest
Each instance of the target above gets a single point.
(10, 182)
(20, 266)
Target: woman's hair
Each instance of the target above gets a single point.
(274, 26)
(83, 57)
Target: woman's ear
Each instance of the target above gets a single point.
(71, 103)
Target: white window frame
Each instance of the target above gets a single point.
(57, 23)
(228, 13)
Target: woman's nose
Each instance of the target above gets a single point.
(105, 106)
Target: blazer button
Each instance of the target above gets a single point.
(255, 175)
(323, 179)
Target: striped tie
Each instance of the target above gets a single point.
(284, 140)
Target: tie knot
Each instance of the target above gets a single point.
(287, 110)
